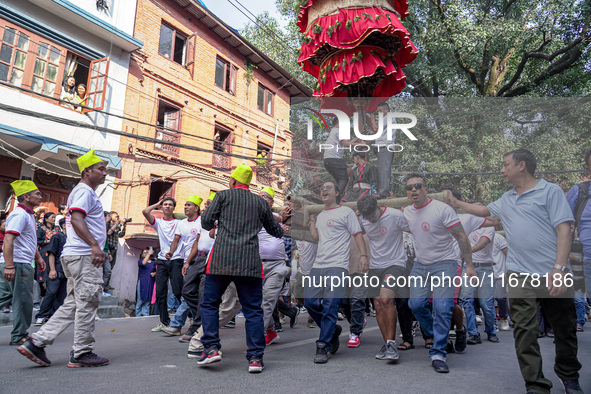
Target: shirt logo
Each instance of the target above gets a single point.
(426, 226)
(193, 231)
(383, 230)
(475, 237)
(330, 223)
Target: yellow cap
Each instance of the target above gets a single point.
(243, 174)
(269, 191)
(195, 199)
(211, 196)
(88, 159)
(23, 187)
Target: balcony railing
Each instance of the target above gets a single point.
(264, 176)
(221, 162)
(167, 136)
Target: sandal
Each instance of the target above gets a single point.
(428, 345)
(404, 346)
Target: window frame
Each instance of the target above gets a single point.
(267, 93)
(230, 76)
(224, 159)
(186, 38)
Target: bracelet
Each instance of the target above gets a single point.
(9, 268)
(364, 255)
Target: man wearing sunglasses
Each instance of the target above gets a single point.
(332, 229)
(435, 227)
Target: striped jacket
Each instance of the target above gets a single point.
(240, 215)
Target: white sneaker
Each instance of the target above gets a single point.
(39, 321)
(504, 325)
(353, 341)
(158, 328)
(478, 319)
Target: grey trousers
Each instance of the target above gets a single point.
(85, 288)
(20, 293)
(275, 273)
(385, 158)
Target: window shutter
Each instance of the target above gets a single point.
(97, 84)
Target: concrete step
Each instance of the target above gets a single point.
(109, 301)
(109, 311)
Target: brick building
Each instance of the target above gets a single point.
(197, 83)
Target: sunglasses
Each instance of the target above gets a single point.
(417, 186)
(326, 188)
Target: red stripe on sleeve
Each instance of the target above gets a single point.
(79, 210)
(453, 225)
(13, 232)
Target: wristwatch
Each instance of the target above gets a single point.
(562, 268)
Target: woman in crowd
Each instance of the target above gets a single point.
(80, 97)
(68, 91)
(145, 282)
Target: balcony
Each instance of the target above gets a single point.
(264, 176)
(221, 162)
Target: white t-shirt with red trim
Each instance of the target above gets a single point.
(484, 255)
(188, 231)
(429, 225)
(166, 230)
(470, 223)
(84, 199)
(307, 255)
(335, 227)
(21, 223)
(499, 258)
(386, 242)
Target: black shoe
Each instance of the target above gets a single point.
(294, 320)
(231, 323)
(493, 338)
(334, 342)
(571, 386)
(87, 360)
(450, 347)
(321, 356)
(278, 328)
(461, 340)
(20, 342)
(474, 339)
(34, 353)
(440, 366)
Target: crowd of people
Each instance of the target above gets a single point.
(425, 262)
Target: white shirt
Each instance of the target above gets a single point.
(386, 242)
(429, 225)
(84, 199)
(188, 231)
(166, 231)
(484, 255)
(307, 252)
(22, 224)
(335, 227)
(205, 241)
(271, 248)
(470, 223)
(499, 258)
(336, 152)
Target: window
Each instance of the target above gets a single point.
(265, 100)
(169, 117)
(172, 44)
(225, 75)
(13, 56)
(222, 144)
(263, 164)
(160, 189)
(30, 62)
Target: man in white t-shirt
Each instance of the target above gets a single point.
(332, 229)
(499, 253)
(435, 227)
(187, 232)
(16, 263)
(82, 261)
(384, 228)
(166, 269)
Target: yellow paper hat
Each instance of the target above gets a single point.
(211, 196)
(88, 159)
(269, 191)
(195, 199)
(23, 187)
(243, 174)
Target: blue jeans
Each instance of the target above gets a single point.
(250, 294)
(436, 324)
(587, 267)
(323, 303)
(142, 307)
(354, 307)
(485, 292)
(180, 317)
(580, 307)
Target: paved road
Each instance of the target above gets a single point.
(146, 362)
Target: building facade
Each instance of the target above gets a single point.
(43, 43)
(200, 100)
